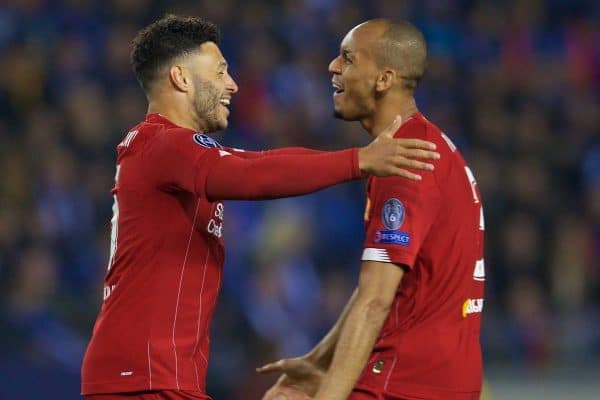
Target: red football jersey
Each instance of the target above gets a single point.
(166, 257)
(152, 330)
(429, 345)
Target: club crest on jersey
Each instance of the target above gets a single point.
(392, 214)
(205, 141)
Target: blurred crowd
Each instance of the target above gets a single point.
(515, 84)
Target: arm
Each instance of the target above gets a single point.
(377, 287)
(268, 177)
(275, 152)
(284, 175)
(174, 161)
(322, 354)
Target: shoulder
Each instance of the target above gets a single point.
(182, 139)
(419, 127)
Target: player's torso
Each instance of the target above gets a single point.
(163, 278)
(432, 328)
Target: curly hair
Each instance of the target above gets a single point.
(170, 37)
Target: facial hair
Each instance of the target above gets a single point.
(205, 104)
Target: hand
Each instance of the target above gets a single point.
(387, 156)
(300, 380)
(281, 392)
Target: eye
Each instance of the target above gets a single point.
(346, 59)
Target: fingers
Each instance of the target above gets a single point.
(285, 393)
(418, 153)
(416, 144)
(274, 394)
(414, 164)
(277, 366)
(391, 130)
(405, 174)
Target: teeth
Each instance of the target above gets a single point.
(225, 102)
(337, 88)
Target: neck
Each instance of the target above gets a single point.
(386, 111)
(175, 112)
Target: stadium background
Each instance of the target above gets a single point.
(516, 84)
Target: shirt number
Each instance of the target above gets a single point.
(114, 224)
(473, 184)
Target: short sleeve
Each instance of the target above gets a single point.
(398, 218)
(180, 160)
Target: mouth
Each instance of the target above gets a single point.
(337, 88)
(225, 101)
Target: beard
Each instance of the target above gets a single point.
(205, 105)
(355, 107)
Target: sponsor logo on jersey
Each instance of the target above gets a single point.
(392, 237)
(392, 214)
(205, 141)
(472, 306)
(215, 224)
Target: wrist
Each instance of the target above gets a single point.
(361, 165)
(320, 359)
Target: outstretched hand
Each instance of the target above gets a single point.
(300, 380)
(386, 156)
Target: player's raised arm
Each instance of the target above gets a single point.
(283, 175)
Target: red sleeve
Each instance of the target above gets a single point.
(179, 159)
(280, 175)
(274, 152)
(176, 160)
(400, 213)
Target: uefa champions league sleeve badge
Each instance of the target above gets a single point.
(392, 217)
(206, 141)
(392, 214)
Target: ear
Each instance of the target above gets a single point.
(179, 78)
(385, 80)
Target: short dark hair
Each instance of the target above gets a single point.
(403, 47)
(170, 37)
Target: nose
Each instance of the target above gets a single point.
(230, 85)
(334, 66)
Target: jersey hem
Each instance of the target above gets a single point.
(133, 386)
(415, 391)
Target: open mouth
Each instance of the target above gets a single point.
(337, 88)
(225, 102)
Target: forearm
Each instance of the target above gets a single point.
(270, 177)
(355, 343)
(248, 154)
(322, 354)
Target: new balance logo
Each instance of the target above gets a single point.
(479, 272)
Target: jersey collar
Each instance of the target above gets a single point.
(156, 118)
